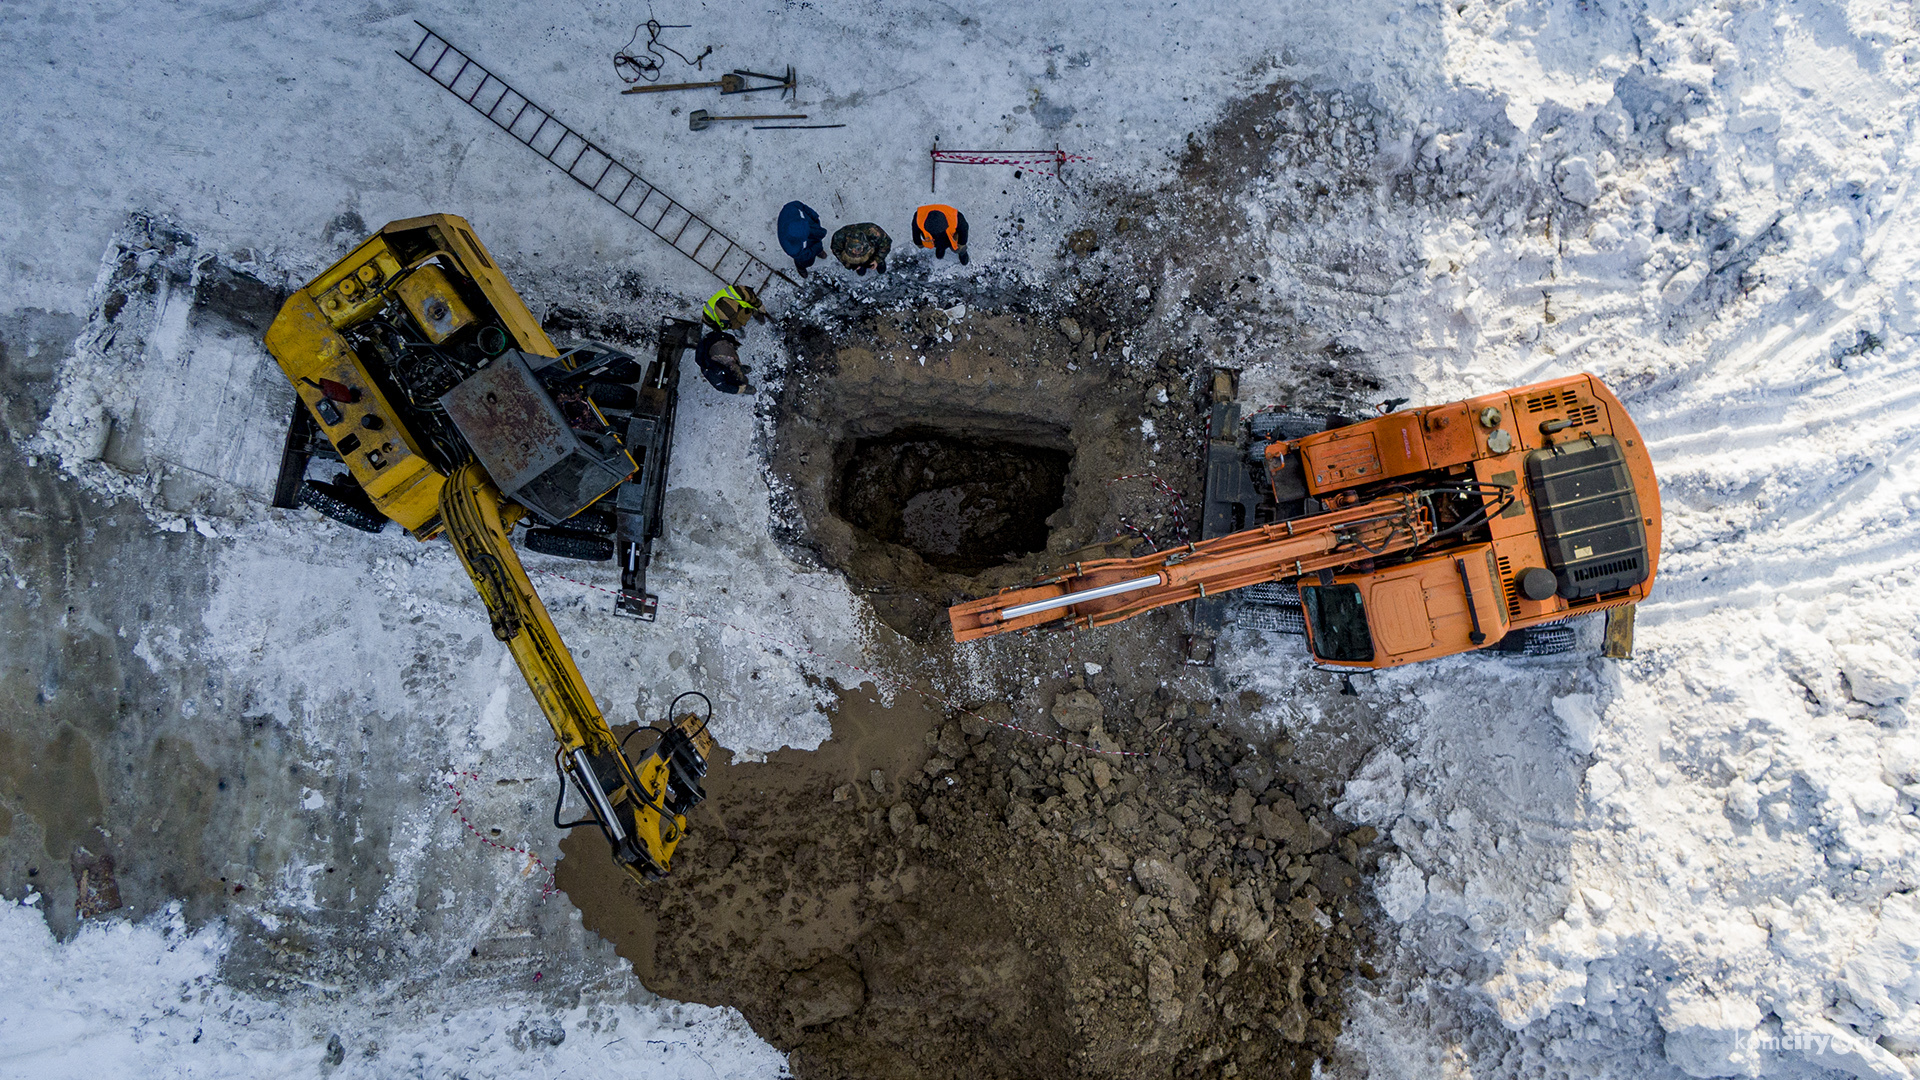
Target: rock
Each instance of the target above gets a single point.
(1124, 818)
(1161, 991)
(1226, 964)
(1291, 1024)
(901, 818)
(879, 781)
(1083, 242)
(1075, 788)
(1254, 774)
(936, 765)
(1576, 181)
(1282, 823)
(976, 720)
(1115, 858)
(825, 992)
(1101, 772)
(1240, 807)
(1076, 710)
(336, 1052)
(843, 793)
(720, 854)
(1235, 913)
(952, 742)
(98, 891)
(1161, 878)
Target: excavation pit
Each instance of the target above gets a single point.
(959, 504)
(934, 456)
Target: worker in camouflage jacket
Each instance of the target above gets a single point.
(862, 247)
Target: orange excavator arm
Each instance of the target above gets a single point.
(1110, 590)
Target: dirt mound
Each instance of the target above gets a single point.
(935, 895)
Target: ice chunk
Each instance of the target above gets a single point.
(1375, 796)
(1401, 888)
(1875, 673)
(1577, 712)
(1577, 182)
(1711, 1036)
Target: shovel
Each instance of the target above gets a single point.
(699, 119)
(728, 84)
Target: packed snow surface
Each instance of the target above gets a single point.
(1698, 862)
(125, 999)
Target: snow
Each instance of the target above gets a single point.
(1703, 859)
(1698, 862)
(147, 999)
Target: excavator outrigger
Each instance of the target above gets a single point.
(1416, 534)
(422, 372)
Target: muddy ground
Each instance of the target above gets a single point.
(967, 885)
(1074, 855)
(932, 893)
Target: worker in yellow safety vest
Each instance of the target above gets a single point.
(731, 307)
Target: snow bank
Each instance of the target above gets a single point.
(126, 999)
(1702, 861)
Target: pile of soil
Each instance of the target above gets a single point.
(934, 895)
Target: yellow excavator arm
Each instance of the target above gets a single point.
(423, 369)
(641, 809)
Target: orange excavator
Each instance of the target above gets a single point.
(1415, 534)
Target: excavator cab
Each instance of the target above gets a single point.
(413, 354)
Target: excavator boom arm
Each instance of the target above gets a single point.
(470, 506)
(1111, 590)
(641, 809)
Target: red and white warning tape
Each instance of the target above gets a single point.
(1037, 160)
(548, 888)
(1179, 504)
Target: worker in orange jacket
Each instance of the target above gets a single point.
(940, 228)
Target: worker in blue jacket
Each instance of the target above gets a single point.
(800, 234)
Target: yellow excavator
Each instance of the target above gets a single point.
(422, 372)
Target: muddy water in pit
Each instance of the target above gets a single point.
(961, 506)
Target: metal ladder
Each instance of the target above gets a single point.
(589, 166)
